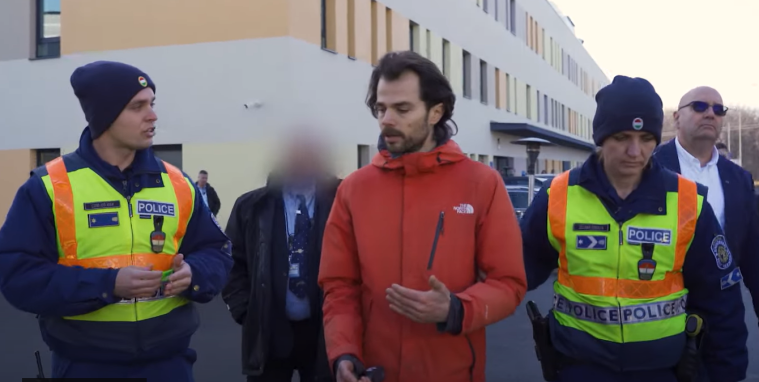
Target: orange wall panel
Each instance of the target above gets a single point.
(97, 25)
(399, 32)
(14, 166)
(363, 31)
(379, 34)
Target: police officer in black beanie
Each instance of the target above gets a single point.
(638, 251)
(110, 246)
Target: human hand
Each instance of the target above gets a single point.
(430, 306)
(180, 280)
(346, 373)
(137, 282)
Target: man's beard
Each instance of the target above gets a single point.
(408, 143)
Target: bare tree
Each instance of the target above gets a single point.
(740, 131)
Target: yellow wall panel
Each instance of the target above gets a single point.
(379, 35)
(521, 98)
(420, 37)
(363, 32)
(436, 50)
(502, 90)
(457, 69)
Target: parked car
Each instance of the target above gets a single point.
(518, 196)
(540, 180)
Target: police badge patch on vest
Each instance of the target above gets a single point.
(721, 252)
(150, 207)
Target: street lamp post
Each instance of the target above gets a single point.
(533, 150)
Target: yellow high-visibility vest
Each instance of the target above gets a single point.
(97, 227)
(623, 282)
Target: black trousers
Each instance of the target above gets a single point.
(302, 358)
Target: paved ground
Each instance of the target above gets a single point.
(510, 354)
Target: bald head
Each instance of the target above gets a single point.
(699, 116)
(696, 94)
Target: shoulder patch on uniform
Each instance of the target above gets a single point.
(731, 279)
(721, 252)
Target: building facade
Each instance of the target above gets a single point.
(231, 74)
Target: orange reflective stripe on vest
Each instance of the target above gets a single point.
(624, 288)
(65, 222)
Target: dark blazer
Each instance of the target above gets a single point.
(741, 216)
(249, 293)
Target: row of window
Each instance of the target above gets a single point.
(543, 45)
(511, 94)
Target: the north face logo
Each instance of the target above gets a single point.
(464, 208)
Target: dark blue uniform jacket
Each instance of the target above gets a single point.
(32, 281)
(741, 219)
(711, 291)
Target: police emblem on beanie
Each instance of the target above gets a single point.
(638, 123)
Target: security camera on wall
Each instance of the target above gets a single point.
(253, 104)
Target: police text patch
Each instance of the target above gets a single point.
(638, 235)
(731, 279)
(149, 207)
(591, 242)
(721, 252)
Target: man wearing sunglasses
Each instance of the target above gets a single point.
(693, 154)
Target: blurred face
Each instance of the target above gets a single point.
(627, 153)
(723, 151)
(406, 124)
(135, 127)
(303, 159)
(700, 115)
(202, 179)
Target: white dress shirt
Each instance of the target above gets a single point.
(708, 175)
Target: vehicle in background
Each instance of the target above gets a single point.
(540, 180)
(518, 196)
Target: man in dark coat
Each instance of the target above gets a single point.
(276, 233)
(208, 193)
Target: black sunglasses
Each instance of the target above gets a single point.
(701, 106)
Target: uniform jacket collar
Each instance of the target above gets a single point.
(651, 191)
(144, 160)
(420, 162)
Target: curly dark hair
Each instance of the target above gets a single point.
(434, 87)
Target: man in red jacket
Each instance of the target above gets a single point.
(422, 249)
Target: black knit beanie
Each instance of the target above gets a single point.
(104, 88)
(627, 104)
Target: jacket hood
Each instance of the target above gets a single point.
(446, 153)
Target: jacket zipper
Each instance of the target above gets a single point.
(131, 250)
(619, 261)
(474, 358)
(438, 231)
(403, 202)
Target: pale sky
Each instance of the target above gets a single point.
(675, 44)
